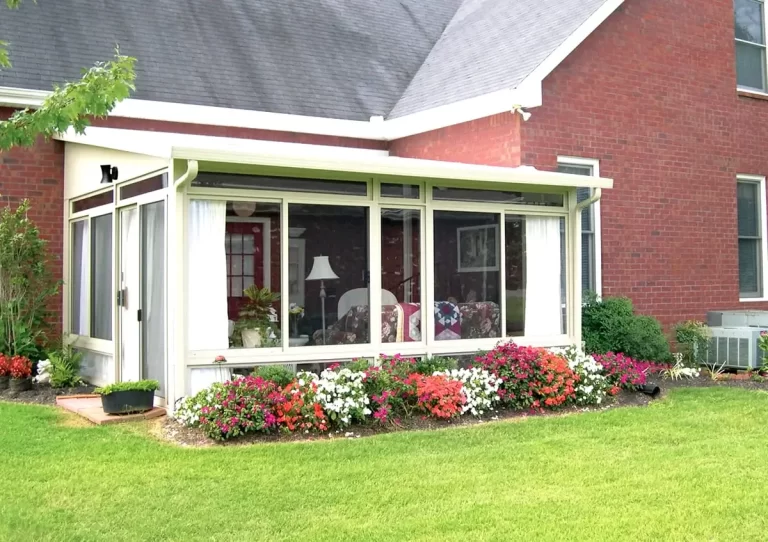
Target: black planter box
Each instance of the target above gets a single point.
(127, 402)
(20, 384)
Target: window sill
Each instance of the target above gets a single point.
(753, 299)
(757, 95)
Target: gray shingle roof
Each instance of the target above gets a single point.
(491, 45)
(344, 59)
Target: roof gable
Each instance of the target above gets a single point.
(491, 45)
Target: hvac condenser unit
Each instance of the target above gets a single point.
(735, 347)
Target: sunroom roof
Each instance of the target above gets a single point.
(214, 152)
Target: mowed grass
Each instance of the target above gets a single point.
(690, 467)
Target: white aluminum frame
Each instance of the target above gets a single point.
(759, 180)
(246, 357)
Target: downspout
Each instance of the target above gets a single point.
(596, 195)
(179, 333)
(190, 175)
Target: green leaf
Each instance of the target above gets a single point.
(72, 105)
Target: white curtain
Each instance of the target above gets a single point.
(543, 312)
(207, 287)
(129, 272)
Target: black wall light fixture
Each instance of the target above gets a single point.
(108, 174)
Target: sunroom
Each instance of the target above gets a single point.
(184, 251)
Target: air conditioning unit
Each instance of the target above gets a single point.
(735, 347)
(737, 319)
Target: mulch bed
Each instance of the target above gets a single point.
(43, 394)
(169, 430)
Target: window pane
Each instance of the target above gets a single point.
(750, 66)
(749, 20)
(144, 187)
(105, 198)
(497, 196)
(335, 239)
(748, 209)
(409, 191)
(101, 277)
(587, 263)
(79, 280)
(535, 281)
(285, 184)
(252, 256)
(467, 275)
(749, 268)
(401, 314)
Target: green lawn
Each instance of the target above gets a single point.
(691, 467)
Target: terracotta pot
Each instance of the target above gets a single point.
(20, 384)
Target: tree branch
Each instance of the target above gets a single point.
(72, 105)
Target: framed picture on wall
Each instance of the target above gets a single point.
(478, 248)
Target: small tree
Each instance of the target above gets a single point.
(26, 284)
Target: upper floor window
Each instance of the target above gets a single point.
(750, 44)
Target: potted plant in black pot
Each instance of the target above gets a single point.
(128, 397)
(20, 373)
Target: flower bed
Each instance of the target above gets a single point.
(398, 390)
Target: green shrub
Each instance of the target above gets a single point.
(139, 385)
(26, 284)
(64, 367)
(610, 325)
(430, 365)
(279, 374)
(693, 342)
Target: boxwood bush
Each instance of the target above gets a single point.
(611, 325)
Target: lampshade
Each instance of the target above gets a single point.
(321, 269)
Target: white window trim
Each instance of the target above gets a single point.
(764, 236)
(763, 91)
(594, 163)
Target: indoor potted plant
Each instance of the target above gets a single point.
(20, 371)
(128, 397)
(5, 370)
(257, 317)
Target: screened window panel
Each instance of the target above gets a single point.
(748, 15)
(79, 280)
(101, 277)
(749, 268)
(748, 209)
(750, 65)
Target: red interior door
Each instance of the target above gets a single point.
(246, 263)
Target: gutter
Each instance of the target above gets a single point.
(190, 175)
(377, 128)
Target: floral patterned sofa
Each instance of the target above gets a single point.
(402, 323)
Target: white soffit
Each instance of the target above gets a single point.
(318, 157)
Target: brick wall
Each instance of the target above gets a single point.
(493, 141)
(37, 173)
(652, 94)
